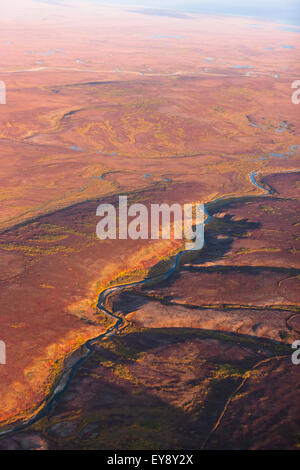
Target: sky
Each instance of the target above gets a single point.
(283, 11)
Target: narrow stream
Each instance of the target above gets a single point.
(67, 375)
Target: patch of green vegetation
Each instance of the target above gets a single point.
(34, 250)
(224, 371)
(268, 209)
(244, 251)
(122, 371)
(48, 238)
(123, 351)
(61, 229)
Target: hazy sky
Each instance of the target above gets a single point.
(278, 10)
(281, 11)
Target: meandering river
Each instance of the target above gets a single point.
(87, 349)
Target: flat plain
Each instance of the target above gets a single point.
(165, 110)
